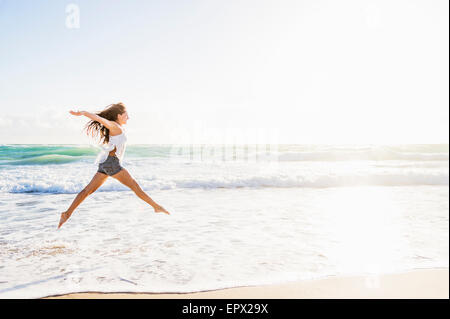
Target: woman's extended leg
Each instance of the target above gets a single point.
(125, 178)
(93, 185)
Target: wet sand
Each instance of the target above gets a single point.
(423, 284)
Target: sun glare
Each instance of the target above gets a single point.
(363, 225)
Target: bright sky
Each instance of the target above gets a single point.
(234, 71)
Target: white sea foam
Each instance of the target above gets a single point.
(14, 184)
(216, 239)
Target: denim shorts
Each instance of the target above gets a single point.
(110, 167)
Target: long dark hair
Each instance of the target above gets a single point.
(95, 128)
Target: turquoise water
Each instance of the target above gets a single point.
(60, 154)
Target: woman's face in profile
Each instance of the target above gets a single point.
(123, 118)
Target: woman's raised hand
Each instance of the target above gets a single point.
(76, 113)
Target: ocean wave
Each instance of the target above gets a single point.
(43, 160)
(60, 154)
(277, 181)
(43, 155)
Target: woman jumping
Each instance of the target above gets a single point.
(108, 124)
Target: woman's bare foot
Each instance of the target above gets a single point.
(160, 209)
(64, 217)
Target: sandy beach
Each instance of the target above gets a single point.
(423, 284)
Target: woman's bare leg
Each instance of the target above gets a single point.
(125, 178)
(93, 185)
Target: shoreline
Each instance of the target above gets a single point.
(420, 284)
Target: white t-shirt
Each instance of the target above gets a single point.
(117, 141)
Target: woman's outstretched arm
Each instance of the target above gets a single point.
(111, 125)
